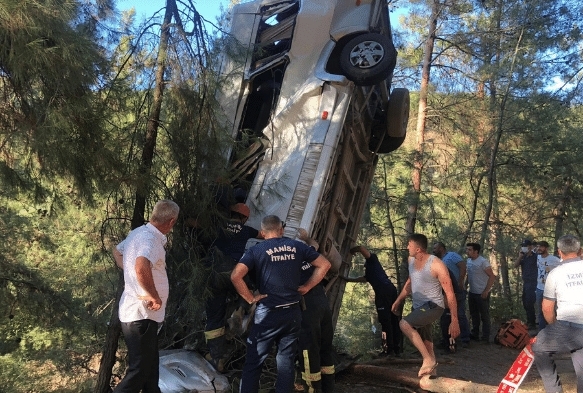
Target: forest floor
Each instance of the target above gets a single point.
(480, 363)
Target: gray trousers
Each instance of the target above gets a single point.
(556, 338)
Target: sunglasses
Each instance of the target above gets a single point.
(283, 224)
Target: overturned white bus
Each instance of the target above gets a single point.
(311, 93)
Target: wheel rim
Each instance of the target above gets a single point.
(367, 54)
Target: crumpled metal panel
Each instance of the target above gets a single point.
(183, 371)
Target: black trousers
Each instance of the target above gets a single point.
(141, 339)
(480, 312)
(216, 304)
(316, 351)
(389, 322)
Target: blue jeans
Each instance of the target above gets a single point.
(279, 326)
(528, 301)
(542, 322)
(141, 339)
(558, 337)
(480, 312)
(445, 320)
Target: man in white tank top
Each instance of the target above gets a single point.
(428, 275)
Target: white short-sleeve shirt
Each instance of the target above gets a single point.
(148, 242)
(477, 276)
(565, 286)
(545, 265)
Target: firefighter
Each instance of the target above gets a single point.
(225, 252)
(316, 334)
(278, 263)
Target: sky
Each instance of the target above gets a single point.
(209, 9)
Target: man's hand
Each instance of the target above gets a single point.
(257, 297)
(396, 307)
(454, 329)
(152, 303)
(361, 249)
(144, 275)
(302, 290)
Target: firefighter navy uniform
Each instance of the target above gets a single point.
(277, 265)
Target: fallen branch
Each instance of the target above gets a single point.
(432, 384)
(446, 385)
(387, 374)
(388, 360)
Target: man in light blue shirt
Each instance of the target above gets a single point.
(457, 265)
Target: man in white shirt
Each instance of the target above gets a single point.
(142, 306)
(562, 307)
(481, 278)
(545, 262)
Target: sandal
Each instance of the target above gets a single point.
(428, 370)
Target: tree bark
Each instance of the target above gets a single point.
(432, 384)
(384, 373)
(390, 225)
(450, 385)
(422, 118)
(143, 187)
(559, 212)
(108, 358)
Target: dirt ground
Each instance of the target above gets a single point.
(479, 363)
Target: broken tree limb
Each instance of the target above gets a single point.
(447, 385)
(384, 373)
(390, 360)
(408, 378)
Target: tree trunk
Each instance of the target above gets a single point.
(408, 378)
(143, 187)
(559, 212)
(499, 254)
(473, 213)
(142, 191)
(497, 114)
(391, 226)
(422, 118)
(103, 384)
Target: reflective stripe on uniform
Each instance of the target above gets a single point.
(308, 377)
(211, 334)
(312, 377)
(328, 370)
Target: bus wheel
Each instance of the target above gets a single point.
(398, 113)
(392, 128)
(368, 59)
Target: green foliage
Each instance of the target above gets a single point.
(501, 144)
(56, 285)
(76, 101)
(354, 330)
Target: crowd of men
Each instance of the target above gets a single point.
(292, 312)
